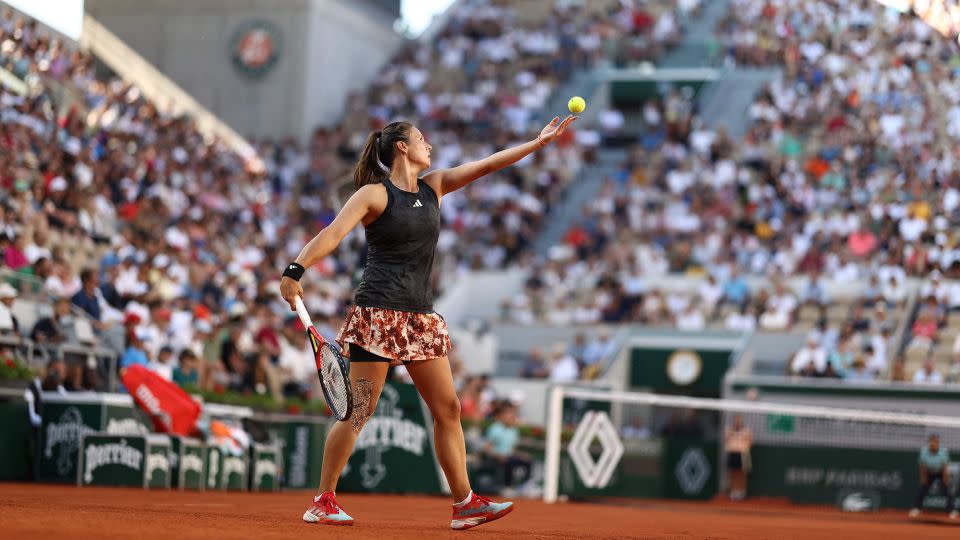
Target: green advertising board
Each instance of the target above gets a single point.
(808, 474)
(265, 467)
(690, 468)
(187, 463)
(66, 418)
(636, 475)
(158, 469)
(394, 452)
(226, 471)
(679, 369)
(111, 460)
(15, 453)
(301, 441)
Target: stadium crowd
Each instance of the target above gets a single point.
(134, 217)
(844, 173)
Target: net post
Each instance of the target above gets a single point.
(551, 480)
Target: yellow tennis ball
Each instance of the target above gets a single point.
(576, 104)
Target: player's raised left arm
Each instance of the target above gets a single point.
(448, 180)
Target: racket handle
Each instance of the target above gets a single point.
(302, 313)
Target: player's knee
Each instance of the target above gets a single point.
(447, 410)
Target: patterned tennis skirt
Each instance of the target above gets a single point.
(401, 336)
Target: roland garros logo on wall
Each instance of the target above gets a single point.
(255, 48)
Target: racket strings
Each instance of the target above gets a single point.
(334, 382)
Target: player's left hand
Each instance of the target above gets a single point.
(554, 129)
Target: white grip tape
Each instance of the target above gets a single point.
(302, 313)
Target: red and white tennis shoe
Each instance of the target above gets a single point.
(326, 511)
(477, 511)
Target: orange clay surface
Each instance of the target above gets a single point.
(66, 512)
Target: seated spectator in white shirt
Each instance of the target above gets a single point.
(563, 367)
(773, 319)
(744, 320)
(935, 288)
(710, 293)
(812, 356)
(894, 292)
(163, 365)
(691, 319)
(813, 291)
(928, 374)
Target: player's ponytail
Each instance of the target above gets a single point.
(378, 153)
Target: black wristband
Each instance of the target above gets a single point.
(294, 271)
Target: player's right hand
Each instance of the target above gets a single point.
(290, 290)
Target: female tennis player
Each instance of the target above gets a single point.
(392, 321)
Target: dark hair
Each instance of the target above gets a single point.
(378, 153)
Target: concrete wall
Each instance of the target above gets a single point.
(328, 48)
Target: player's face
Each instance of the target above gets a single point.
(418, 150)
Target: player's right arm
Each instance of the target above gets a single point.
(364, 206)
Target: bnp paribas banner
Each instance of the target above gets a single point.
(394, 452)
(884, 478)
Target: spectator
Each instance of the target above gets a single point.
(534, 367)
(737, 441)
(636, 430)
(691, 319)
(841, 358)
(934, 461)
(601, 350)
(55, 377)
(296, 363)
(8, 322)
(87, 298)
(894, 292)
(578, 349)
(52, 330)
(809, 361)
(953, 372)
(924, 331)
(928, 374)
(743, 320)
(163, 365)
(471, 407)
(187, 372)
(858, 371)
(735, 290)
(814, 294)
(563, 368)
(136, 353)
(501, 444)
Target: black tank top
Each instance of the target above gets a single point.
(401, 244)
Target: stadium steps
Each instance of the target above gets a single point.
(725, 102)
(585, 186)
(699, 48)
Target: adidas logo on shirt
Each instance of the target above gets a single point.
(417, 204)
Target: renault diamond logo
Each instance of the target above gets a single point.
(595, 474)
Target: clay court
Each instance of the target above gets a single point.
(42, 511)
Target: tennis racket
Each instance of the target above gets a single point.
(332, 368)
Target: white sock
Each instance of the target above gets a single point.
(465, 501)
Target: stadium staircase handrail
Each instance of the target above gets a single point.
(157, 87)
(12, 82)
(36, 293)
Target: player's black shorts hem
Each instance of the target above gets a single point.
(359, 354)
(734, 461)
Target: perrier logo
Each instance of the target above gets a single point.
(98, 455)
(65, 433)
